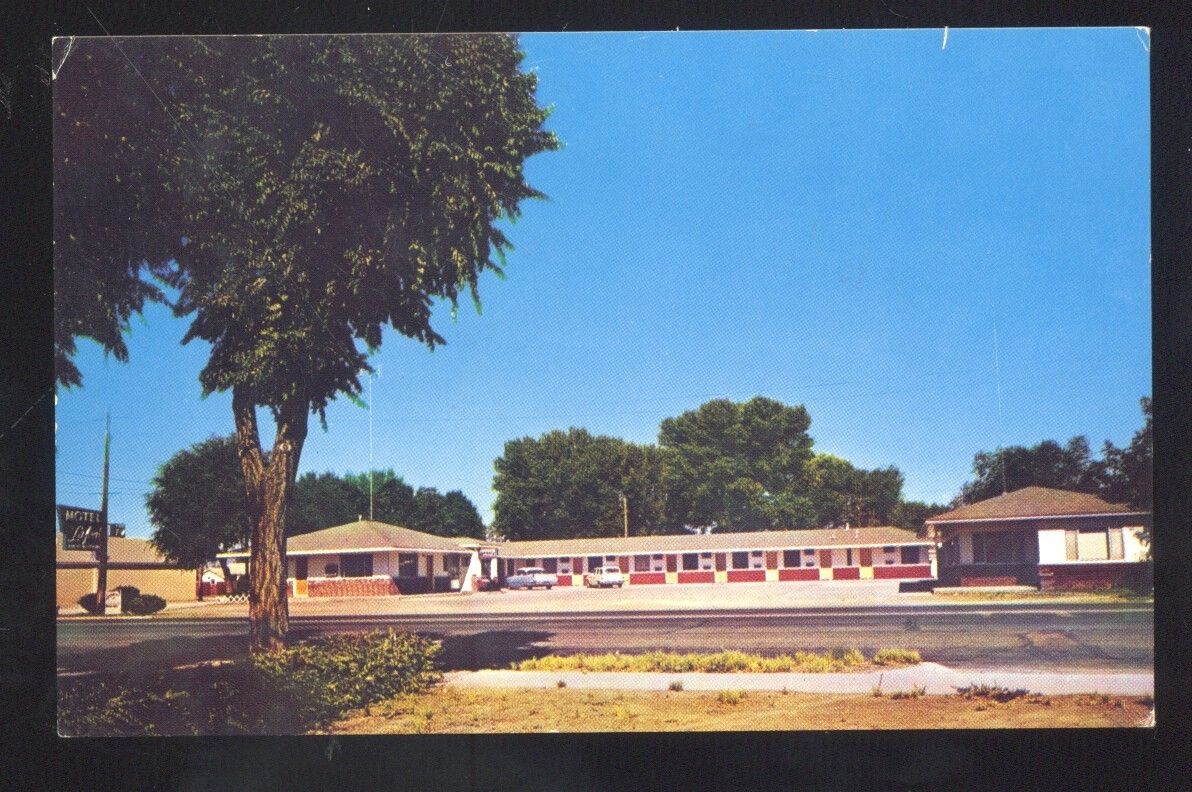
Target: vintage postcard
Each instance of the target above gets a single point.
(596, 382)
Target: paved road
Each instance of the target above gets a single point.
(1018, 636)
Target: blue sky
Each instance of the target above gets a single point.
(844, 220)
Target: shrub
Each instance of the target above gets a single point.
(561, 684)
(144, 604)
(89, 603)
(127, 594)
(991, 692)
(915, 692)
(731, 697)
(897, 657)
(676, 685)
(333, 674)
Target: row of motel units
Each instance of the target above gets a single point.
(1050, 538)
(368, 557)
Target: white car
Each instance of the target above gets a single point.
(531, 577)
(604, 577)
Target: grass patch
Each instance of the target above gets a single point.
(731, 697)
(1102, 595)
(992, 693)
(885, 657)
(916, 691)
(490, 710)
(718, 662)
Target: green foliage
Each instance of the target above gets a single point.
(1121, 475)
(737, 466)
(916, 691)
(913, 515)
(328, 676)
(197, 504)
(285, 692)
(569, 484)
(727, 661)
(992, 692)
(731, 697)
(324, 500)
(144, 604)
(897, 657)
(350, 182)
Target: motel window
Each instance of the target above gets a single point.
(550, 565)
(998, 547)
(706, 561)
(657, 563)
(594, 563)
(910, 555)
(641, 563)
(790, 558)
(300, 567)
(451, 565)
(757, 560)
(740, 560)
(690, 561)
(564, 566)
(356, 564)
(407, 565)
(331, 570)
(809, 559)
(890, 555)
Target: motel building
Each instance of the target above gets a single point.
(1049, 538)
(373, 558)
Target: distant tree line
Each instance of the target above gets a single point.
(1120, 475)
(197, 504)
(725, 466)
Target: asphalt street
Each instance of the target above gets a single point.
(1011, 636)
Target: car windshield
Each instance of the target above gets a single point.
(531, 571)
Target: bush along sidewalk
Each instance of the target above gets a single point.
(289, 691)
(721, 662)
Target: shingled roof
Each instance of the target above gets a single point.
(696, 543)
(1033, 502)
(364, 535)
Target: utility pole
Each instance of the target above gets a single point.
(625, 512)
(102, 594)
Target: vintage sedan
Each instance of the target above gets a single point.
(531, 577)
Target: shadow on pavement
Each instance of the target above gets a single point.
(154, 654)
(493, 649)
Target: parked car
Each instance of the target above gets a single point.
(531, 577)
(604, 577)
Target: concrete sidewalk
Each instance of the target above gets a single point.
(935, 678)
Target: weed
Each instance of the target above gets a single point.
(886, 657)
(561, 683)
(676, 685)
(991, 692)
(731, 697)
(915, 692)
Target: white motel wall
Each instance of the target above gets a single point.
(367, 558)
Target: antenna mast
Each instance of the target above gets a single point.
(997, 373)
(370, 446)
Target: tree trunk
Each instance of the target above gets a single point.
(268, 485)
(229, 585)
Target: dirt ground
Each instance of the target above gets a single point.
(445, 711)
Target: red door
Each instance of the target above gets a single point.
(866, 556)
(672, 563)
(825, 558)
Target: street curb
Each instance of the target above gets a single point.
(935, 679)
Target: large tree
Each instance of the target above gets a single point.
(570, 484)
(111, 219)
(323, 188)
(1121, 475)
(842, 493)
(197, 505)
(738, 466)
